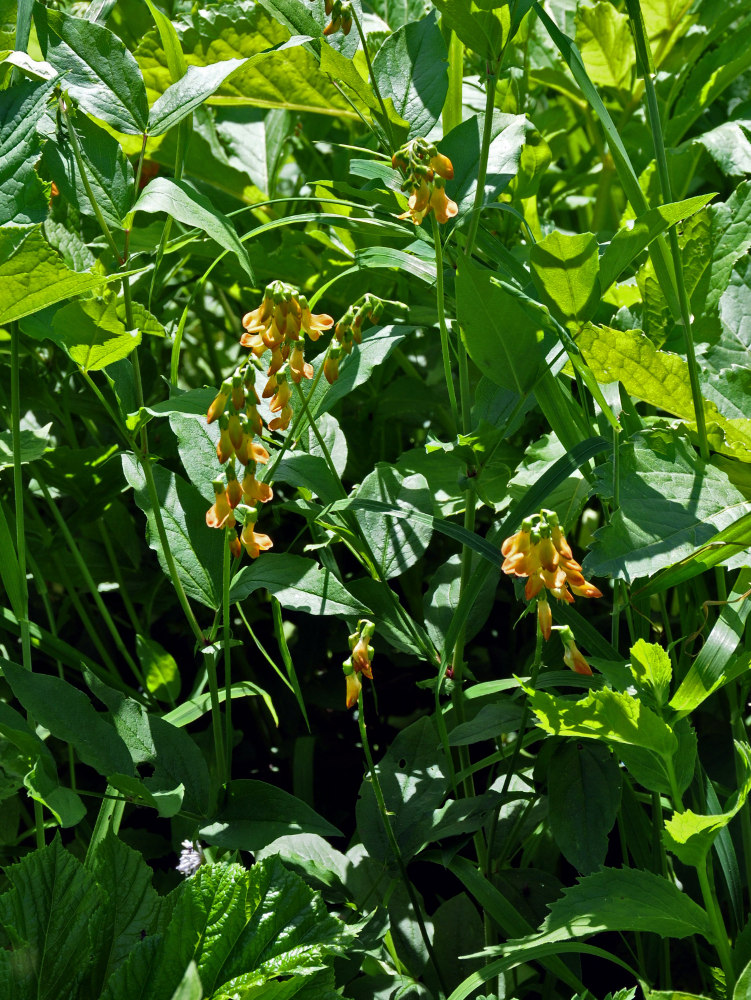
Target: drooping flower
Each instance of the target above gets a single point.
(254, 541)
(359, 661)
(426, 172)
(220, 514)
(572, 657)
(219, 403)
(252, 490)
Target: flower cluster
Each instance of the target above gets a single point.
(426, 172)
(348, 331)
(540, 552)
(276, 326)
(191, 858)
(340, 13)
(359, 660)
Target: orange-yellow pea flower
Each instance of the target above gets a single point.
(234, 492)
(418, 204)
(281, 423)
(220, 515)
(298, 366)
(219, 403)
(442, 165)
(225, 449)
(572, 657)
(281, 397)
(254, 542)
(253, 491)
(443, 207)
(314, 324)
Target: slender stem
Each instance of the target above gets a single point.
(487, 128)
(719, 931)
(24, 624)
(445, 348)
(452, 108)
(124, 595)
(226, 637)
(110, 815)
(86, 183)
(646, 70)
(391, 837)
(216, 718)
(615, 620)
(373, 80)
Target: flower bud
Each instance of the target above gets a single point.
(220, 402)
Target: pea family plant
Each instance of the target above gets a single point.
(375, 500)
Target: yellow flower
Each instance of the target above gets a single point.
(359, 661)
(443, 207)
(572, 657)
(220, 515)
(254, 542)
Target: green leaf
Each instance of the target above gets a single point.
(69, 715)
(43, 785)
(411, 68)
(22, 197)
(128, 909)
(33, 276)
(508, 134)
(274, 76)
(490, 721)
(659, 378)
(33, 442)
(670, 502)
(196, 548)
(181, 201)
(621, 899)
(257, 813)
(690, 836)
(160, 669)
(107, 168)
(734, 344)
(100, 73)
(135, 976)
(502, 329)
(742, 989)
(729, 239)
(414, 780)
(196, 444)
(567, 498)
(584, 795)
(636, 236)
(297, 583)
(483, 30)
(185, 95)
(49, 906)
(565, 272)
(92, 334)
(716, 663)
(442, 598)
(396, 544)
(652, 672)
(606, 45)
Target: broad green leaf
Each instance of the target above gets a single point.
(734, 344)
(49, 903)
(670, 502)
(395, 624)
(621, 899)
(160, 669)
(395, 543)
(128, 909)
(411, 67)
(716, 663)
(729, 542)
(442, 598)
(196, 442)
(22, 195)
(606, 45)
(728, 145)
(190, 986)
(185, 95)
(742, 989)
(492, 720)
(689, 836)
(659, 378)
(397, 13)
(636, 236)
(707, 79)
(309, 471)
(181, 201)
(565, 272)
(196, 548)
(297, 583)
(457, 931)
(92, 334)
(484, 29)
(70, 716)
(100, 73)
(584, 795)
(567, 498)
(502, 329)
(274, 76)
(414, 780)
(652, 672)
(135, 976)
(257, 813)
(508, 134)
(345, 71)
(32, 444)
(108, 170)
(710, 263)
(170, 42)
(43, 785)
(33, 276)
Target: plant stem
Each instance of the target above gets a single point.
(646, 70)
(445, 349)
(452, 108)
(226, 637)
(216, 717)
(487, 127)
(374, 81)
(23, 620)
(391, 837)
(720, 934)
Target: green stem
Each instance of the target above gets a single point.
(216, 718)
(487, 127)
(110, 816)
(23, 622)
(452, 108)
(114, 563)
(646, 70)
(719, 931)
(445, 348)
(87, 185)
(374, 81)
(391, 837)
(226, 637)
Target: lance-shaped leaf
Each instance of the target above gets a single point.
(689, 836)
(565, 272)
(504, 331)
(482, 30)
(100, 72)
(181, 201)
(297, 583)
(22, 196)
(185, 95)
